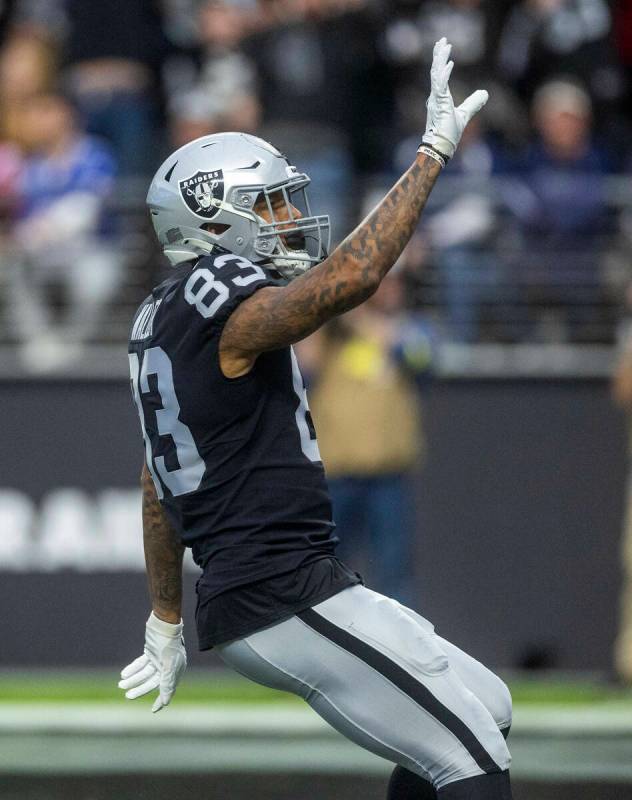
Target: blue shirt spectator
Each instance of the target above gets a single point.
(557, 198)
(86, 167)
(62, 236)
(561, 196)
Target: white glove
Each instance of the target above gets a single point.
(160, 667)
(445, 123)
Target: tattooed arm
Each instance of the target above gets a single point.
(275, 317)
(163, 555)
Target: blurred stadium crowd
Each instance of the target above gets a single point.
(529, 234)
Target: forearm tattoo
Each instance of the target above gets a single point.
(163, 555)
(275, 317)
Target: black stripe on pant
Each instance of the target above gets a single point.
(405, 682)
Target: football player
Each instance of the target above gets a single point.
(232, 467)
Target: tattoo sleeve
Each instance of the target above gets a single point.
(275, 317)
(163, 555)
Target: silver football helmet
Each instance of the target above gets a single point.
(204, 196)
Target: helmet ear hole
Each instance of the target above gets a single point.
(215, 227)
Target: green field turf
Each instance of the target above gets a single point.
(81, 687)
(213, 687)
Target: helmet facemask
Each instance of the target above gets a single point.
(299, 239)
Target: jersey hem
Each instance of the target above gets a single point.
(273, 619)
(254, 577)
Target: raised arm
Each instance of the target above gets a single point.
(276, 317)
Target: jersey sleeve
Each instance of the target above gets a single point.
(219, 284)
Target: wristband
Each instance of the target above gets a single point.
(427, 150)
(158, 625)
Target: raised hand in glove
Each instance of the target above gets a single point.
(160, 667)
(445, 122)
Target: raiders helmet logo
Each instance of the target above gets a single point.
(199, 191)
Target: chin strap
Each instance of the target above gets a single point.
(290, 267)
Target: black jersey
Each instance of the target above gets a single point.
(235, 461)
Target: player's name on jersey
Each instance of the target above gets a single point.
(72, 529)
(144, 325)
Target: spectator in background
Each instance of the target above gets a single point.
(545, 38)
(195, 113)
(413, 28)
(59, 237)
(26, 69)
(223, 94)
(322, 89)
(226, 72)
(366, 408)
(461, 231)
(325, 78)
(112, 56)
(28, 66)
(467, 22)
(114, 53)
(558, 202)
(459, 228)
(407, 41)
